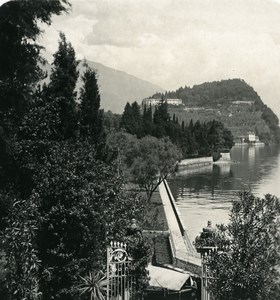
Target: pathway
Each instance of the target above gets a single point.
(182, 249)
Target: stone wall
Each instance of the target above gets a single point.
(196, 162)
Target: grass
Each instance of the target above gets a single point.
(156, 231)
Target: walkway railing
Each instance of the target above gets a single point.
(181, 225)
(184, 253)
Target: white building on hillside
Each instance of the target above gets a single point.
(153, 101)
(174, 101)
(251, 137)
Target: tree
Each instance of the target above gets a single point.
(91, 117)
(188, 143)
(145, 162)
(127, 116)
(135, 109)
(20, 52)
(153, 160)
(20, 71)
(132, 119)
(63, 204)
(228, 139)
(200, 136)
(215, 135)
(161, 118)
(90, 105)
(78, 219)
(111, 122)
(147, 120)
(246, 265)
(121, 146)
(62, 85)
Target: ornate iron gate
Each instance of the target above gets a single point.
(120, 281)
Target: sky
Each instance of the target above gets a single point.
(174, 43)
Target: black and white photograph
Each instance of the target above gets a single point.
(139, 150)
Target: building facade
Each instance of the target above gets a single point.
(154, 101)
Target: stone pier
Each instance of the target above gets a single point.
(183, 252)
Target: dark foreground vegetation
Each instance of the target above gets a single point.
(245, 257)
(61, 198)
(64, 192)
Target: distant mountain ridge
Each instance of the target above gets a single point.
(233, 102)
(116, 87)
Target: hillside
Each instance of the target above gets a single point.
(116, 87)
(233, 102)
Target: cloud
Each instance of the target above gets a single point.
(182, 42)
(2, 2)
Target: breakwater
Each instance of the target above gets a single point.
(195, 162)
(184, 254)
(201, 162)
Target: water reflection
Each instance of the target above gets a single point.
(251, 155)
(207, 193)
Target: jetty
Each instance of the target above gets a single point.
(184, 254)
(195, 162)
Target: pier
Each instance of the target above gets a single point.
(195, 162)
(183, 252)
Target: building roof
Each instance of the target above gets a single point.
(166, 278)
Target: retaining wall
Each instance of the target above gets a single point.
(194, 162)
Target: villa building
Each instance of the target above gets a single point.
(154, 101)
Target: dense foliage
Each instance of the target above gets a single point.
(246, 263)
(213, 92)
(145, 162)
(225, 101)
(194, 140)
(62, 85)
(20, 53)
(88, 209)
(60, 201)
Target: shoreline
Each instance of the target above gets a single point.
(204, 161)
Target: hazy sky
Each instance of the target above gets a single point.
(173, 43)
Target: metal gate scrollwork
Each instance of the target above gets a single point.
(120, 283)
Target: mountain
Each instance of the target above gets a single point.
(233, 102)
(117, 87)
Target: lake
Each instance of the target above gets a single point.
(206, 193)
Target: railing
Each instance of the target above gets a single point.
(170, 196)
(182, 228)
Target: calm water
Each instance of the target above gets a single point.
(206, 193)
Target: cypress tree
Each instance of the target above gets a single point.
(147, 121)
(137, 119)
(63, 83)
(127, 118)
(91, 117)
(131, 119)
(191, 125)
(161, 118)
(90, 125)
